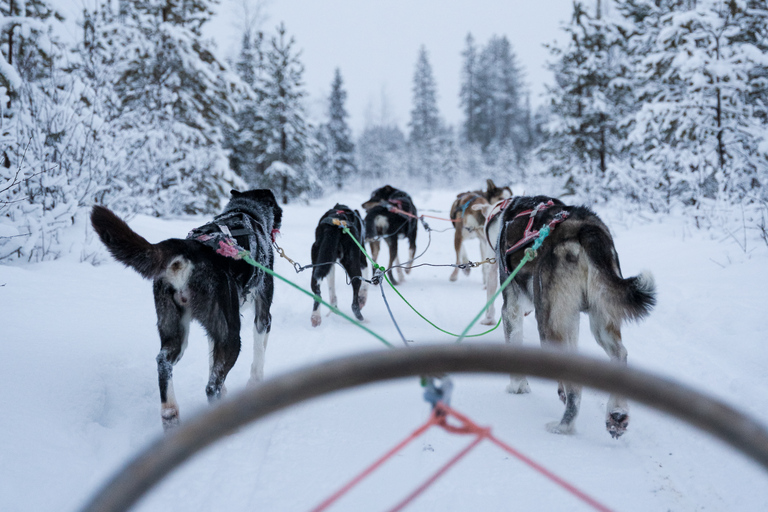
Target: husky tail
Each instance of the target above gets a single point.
(632, 298)
(326, 252)
(125, 245)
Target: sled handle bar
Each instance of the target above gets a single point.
(162, 456)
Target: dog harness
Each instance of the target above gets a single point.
(466, 205)
(531, 234)
(495, 211)
(339, 218)
(220, 235)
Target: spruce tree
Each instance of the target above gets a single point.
(697, 135)
(470, 95)
(246, 141)
(286, 132)
(339, 137)
(589, 102)
(425, 121)
(175, 99)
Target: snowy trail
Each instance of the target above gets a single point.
(77, 355)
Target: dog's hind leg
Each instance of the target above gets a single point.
(362, 297)
(332, 298)
(458, 246)
(492, 272)
(173, 327)
(220, 316)
(261, 328)
(608, 336)
(355, 276)
(411, 248)
(559, 328)
(512, 314)
(375, 248)
(316, 318)
(394, 260)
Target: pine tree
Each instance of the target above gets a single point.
(286, 132)
(425, 121)
(247, 141)
(29, 49)
(339, 135)
(697, 135)
(589, 102)
(470, 95)
(175, 99)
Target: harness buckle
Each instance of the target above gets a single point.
(377, 277)
(437, 389)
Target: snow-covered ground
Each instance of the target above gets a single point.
(77, 355)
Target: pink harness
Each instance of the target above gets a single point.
(529, 234)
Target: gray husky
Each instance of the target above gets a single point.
(204, 277)
(576, 270)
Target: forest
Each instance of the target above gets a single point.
(658, 105)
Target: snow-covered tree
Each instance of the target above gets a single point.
(381, 153)
(337, 136)
(589, 102)
(470, 94)
(175, 99)
(286, 132)
(247, 141)
(425, 119)
(698, 134)
(425, 122)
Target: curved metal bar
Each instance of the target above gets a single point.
(168, 452)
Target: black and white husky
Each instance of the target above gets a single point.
(391, 214)
(332, 245)
(204, 277)
(576, 270)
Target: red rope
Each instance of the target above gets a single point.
(531, 463)
(433, 420)
(423, 487)
(438, 218)
(439, 416)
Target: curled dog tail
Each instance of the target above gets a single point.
(326, 254)
(125, 245)
(632, 298)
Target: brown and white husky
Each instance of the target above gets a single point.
(576, 271)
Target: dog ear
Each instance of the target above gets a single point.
(491, 185)
(277, 212)
(235, 193)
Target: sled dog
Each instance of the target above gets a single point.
(468, 216)
(332, 245)
(576, 270)
(390, 214)
(204, 278)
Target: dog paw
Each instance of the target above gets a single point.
(617, 423)
(466, 270)
(170, 417)
(518, 387)
(562, 429)
(561, 392)
(488, 321)
(454, 275)
(316, 320)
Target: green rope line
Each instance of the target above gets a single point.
(376, 266)
(530, 254)
(462, 335)
(247, 258)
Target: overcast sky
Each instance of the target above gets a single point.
(375, 44)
